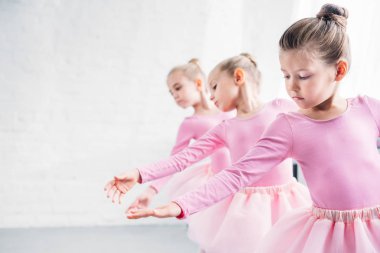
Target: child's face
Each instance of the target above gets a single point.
(309, 81)
(224, 92)
(183, 90)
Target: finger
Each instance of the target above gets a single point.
(122, 187)
(109, 185)
(132, 206)
(121, 196)
(129, 210)
(139, 213)
(115, 195)
(111, 191)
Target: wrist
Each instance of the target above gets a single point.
(179, 212)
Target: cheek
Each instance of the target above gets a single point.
(217, 94)
(187, 93)
(226, 94)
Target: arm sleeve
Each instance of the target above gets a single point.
(197, 151)
(374, 107)
(184, 136)
(274, 146)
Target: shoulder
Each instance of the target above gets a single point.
(364, 99)
(189, 122)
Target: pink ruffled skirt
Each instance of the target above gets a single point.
(239, 223)
(318, 230)
(188, 180)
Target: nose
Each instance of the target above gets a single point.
(175, 95)
(293, 85)
(212, 97)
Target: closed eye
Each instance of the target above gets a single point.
(304, 77)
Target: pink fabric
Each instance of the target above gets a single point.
(233, 135)
(328, 231)
(338, 157)
(238, 223)
(189, 180)
(192, 128)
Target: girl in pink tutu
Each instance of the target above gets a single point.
(332, 138)
(238, 223)
(187, 85)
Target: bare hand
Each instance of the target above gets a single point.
(169, 210)
(119, 185)
(144, 200)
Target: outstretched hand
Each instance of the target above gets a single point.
(166, 211)
(120, 185)
(144, 200)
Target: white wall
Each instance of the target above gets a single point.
(83, 94)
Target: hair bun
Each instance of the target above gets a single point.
(194, 61)
(250, 57)
(335, 13)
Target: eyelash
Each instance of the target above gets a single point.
(300, 77)
(303, 77)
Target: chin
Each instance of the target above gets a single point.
(183, 105)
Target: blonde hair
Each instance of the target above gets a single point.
(324, 34)
(244, 61)
(192, 70)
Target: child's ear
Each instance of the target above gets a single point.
(198, 83)
(239, 76)
(341, 70)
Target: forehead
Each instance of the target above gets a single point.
(298, 58)
(175, 77)
(213, 74)
(216, 74)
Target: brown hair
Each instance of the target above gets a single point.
(324, 34)
(191, 70)
(244, 61)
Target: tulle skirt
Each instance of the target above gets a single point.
(188, 180)
(239, 223)
(318, 230)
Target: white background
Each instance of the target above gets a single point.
(83, 93)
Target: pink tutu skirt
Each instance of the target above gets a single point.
(328, 231)
(238, 223)
(188, 180)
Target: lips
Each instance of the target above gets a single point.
(216, 103)
(297, 98)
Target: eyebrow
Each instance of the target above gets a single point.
(173, 86)
(283, 70)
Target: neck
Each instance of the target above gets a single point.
(204, 107)
(330, 108)
(248, 103)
